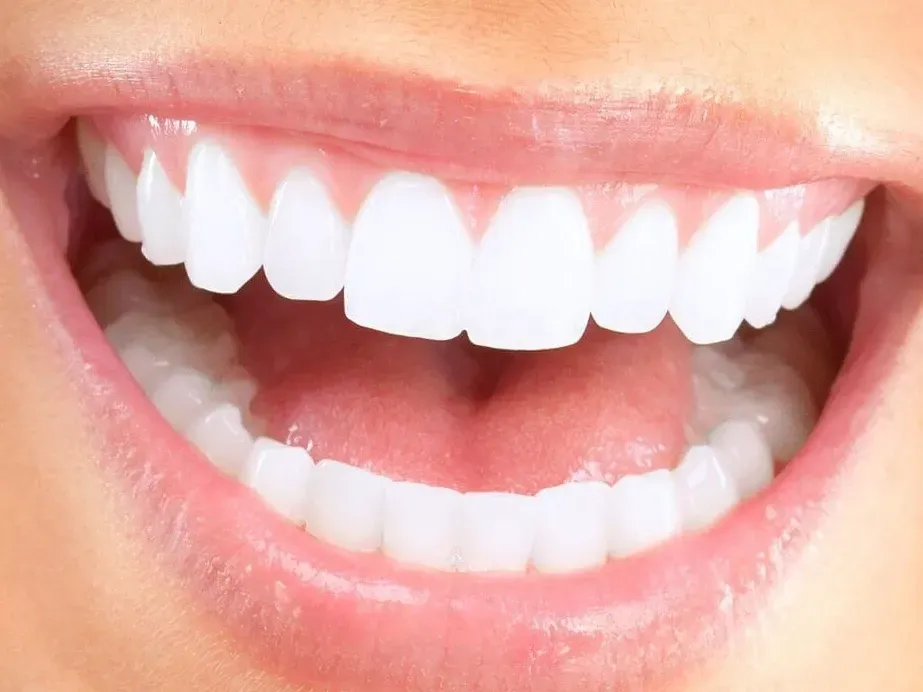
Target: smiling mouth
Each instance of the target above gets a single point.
(406, 426)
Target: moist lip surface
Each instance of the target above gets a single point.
(321, 615)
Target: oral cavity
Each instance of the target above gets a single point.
(720, 421)
(522, 268)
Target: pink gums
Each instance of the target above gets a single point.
(265, 157)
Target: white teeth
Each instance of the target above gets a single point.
(571, 527)
(182, 397)
(810, 255)
(220, 435)
(238, 388)
(410, 260)
(145, 366)
(642, 512)
(122, 293)
(225, 228)
(710, 293)
(93, 153)
(567, 528)
(160, 214)
(758, 387)
(120, 189)
(772, 274)
(744, 454)
(635, 273)
(841, 232)
(280, 475)
(497, 532)
(407, 265)
(705, 491)
(345, 506)
(783, 409)
(532, 281)
(305, 253)
(421, 524)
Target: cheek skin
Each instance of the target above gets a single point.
(87, 605)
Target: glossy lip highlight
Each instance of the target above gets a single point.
(650, 618)
(457, 131)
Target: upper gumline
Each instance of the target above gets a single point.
(606, 212)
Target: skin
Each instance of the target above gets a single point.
(87, 604)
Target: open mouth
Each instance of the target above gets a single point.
(406, 430)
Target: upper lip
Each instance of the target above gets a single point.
(511, 134)
(461, 131)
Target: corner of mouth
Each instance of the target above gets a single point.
(153, 339)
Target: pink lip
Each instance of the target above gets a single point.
(318, 615)
(459, 131)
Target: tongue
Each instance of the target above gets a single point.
(459, 416)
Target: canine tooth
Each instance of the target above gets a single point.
(280, 475)
(410, 260)
(810, 254)
(744, 454)
(497, 532)
(345, 506)
(149, 369)
(772, 274)
(532, 281)
(220, 435)
(225, 228)
(121, 187)
(182, 396)
(308, 241)
(841, 233)
(635, 273)
(93, 153)
(571, 527)
(705, 491)
(160, 206)
(709, 296)
(642, 512)
(421, 524)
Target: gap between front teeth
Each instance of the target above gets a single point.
(180, 348)
(407, 265)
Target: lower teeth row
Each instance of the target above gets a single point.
(753, 413)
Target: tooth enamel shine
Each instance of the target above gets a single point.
(306, 250)
(410, 261)
(225, 228)
(759, 410)
(532, 280)
(635, 273)
(163, 238)
(709, 297)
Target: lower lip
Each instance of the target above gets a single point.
(316, 614)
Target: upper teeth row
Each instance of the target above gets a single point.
(409, 266)
(182, 352)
